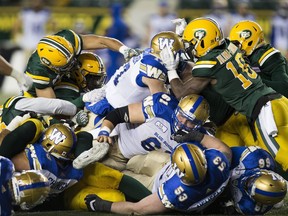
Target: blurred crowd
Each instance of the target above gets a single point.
(126, 21)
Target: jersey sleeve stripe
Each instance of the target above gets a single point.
(266, 55)
(65, 85)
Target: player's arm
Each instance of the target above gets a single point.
(149, 205)
(180, 88)
(46, 92)
(154, 85)
(5, 67)
(91, 42)
(132, 113)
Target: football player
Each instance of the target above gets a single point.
(267, 61)
(162, 119)
(221, 67)
(90, 74)
(57, 55)
(143, 75)
(25, 189)
(51, 150)
(191, 181)
(255, 187)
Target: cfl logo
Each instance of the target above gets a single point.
(165, 42)
(245, 34)
(200, 34)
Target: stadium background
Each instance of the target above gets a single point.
(95, 17)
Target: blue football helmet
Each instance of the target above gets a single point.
(191, 113)
(190, 163)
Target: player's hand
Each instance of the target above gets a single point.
(96, 204)
(81, 118)
(180, 25)
(128, 53)
(104, 135)
(170, 61)
(193, 135)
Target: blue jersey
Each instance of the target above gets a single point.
(60, 176)
(176, 195)
(247, 162)
(7, 169)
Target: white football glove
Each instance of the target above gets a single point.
(24, 81)
(128, 53)
(17, 121)
(170, 61)
(94, 95)
(180, 25)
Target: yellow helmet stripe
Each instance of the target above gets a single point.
(77, 43)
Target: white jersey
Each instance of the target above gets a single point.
(155, 134)
(126, 86)
(34, 25)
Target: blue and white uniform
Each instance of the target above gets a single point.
(126, 86)
(60, 176)
(247, 162)
(7, 169)
(176, 195)
(155, 133)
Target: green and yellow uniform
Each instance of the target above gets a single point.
(272, 67)
(243, 89)
(42, 76)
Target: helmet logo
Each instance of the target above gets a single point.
(245, 34)
(45, 61)
(199, 34)
(56, 136)
(165, 42)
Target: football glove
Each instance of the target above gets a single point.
(94, 95)
(180, 26)
(81, 118)
(193, 135)
(170, 61)
(96, 204)
(128, 53)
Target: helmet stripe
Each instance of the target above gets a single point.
(270, 194)
(58, 46)
(192, 162)
(33, 185)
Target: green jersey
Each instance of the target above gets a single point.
(67, 89)
(272, 67)
(237, 83)
(43, 77)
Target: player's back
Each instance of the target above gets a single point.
(237, 83)
(126, 85)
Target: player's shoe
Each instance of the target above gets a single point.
(96, 153)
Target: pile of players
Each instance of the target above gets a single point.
(194, 123)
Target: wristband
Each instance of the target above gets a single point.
(172, 74)
(105, 131)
